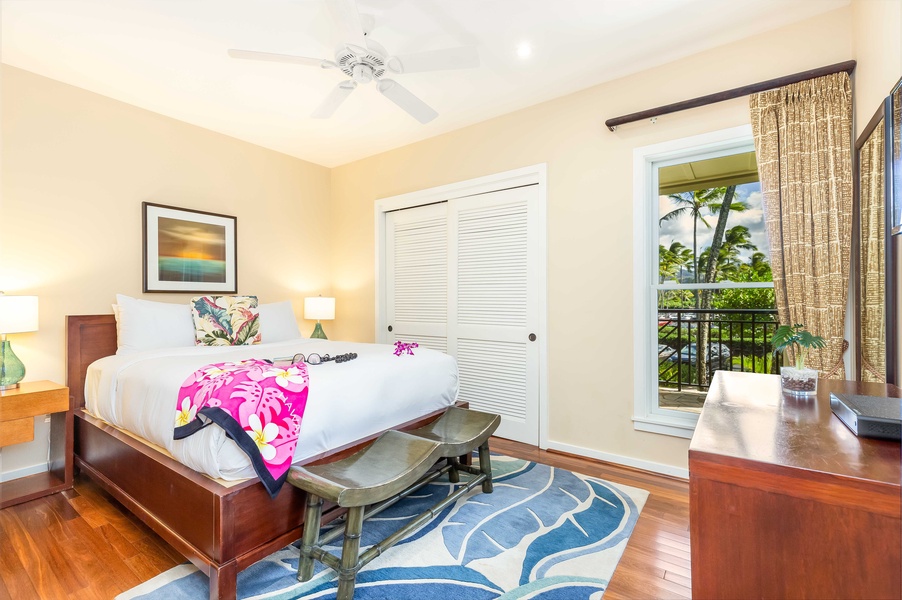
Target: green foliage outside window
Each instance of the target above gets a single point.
(738, 260)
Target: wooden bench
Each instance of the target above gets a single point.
(391, 468)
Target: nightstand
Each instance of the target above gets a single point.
(18, 409)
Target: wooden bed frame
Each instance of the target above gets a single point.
(221, 530)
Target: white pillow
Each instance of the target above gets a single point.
(116, 314)
(277, 323)
(146, 325)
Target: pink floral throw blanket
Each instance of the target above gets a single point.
(259, 405)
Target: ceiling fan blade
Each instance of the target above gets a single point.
(465, 57)
(281, 58)
(338, 95)
(401, 96)
(348, 23)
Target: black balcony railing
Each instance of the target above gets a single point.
(738, 340)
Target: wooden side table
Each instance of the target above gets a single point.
(18, 409)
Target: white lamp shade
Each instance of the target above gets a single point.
(319, 308)
(18, 314)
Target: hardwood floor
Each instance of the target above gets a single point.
(82, 544)
(78, 544)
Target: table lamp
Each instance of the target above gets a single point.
(321, 309)
(18, 314)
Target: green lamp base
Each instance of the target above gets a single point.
(12, 371)
(318, 332)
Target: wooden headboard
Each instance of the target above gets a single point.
(88, 337)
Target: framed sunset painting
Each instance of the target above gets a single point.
(189, 250)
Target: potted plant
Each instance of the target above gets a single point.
(797, 380)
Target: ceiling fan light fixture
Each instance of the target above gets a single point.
(362, 74)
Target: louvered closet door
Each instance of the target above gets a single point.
(416, 253)
(494, 306)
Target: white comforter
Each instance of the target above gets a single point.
(347, 401)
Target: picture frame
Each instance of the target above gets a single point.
(189, 251)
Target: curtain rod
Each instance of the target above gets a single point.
(847, 66)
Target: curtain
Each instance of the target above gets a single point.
(803, 143)
(873, 245)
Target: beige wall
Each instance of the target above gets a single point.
(877, 34)
(76, 167)
(590, 271)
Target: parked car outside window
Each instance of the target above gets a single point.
(718, 355)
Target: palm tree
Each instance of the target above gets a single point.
(737, 238)
(728, 261)
(692, 204)
(717, 201)
(682, 256)
(667, 266)
(672, 261)
(703, 259)
(759, 264)
(722, 210)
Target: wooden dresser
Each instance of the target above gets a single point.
(785, 502)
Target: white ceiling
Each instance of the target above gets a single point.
(169, 56)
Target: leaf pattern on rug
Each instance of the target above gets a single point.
(600, 521)
(535, 501)
(444, 583)
(543, 534)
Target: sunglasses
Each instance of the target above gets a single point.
(316, 359)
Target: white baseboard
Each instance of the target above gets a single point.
(627, 461)
(24, 472)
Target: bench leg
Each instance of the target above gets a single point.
(311, 536)
(485, 465)
(350, 550)
(453, 473)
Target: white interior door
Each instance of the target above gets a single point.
(493, 306)
(416, 252)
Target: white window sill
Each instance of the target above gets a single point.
(681, 426)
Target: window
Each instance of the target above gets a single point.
(704, 292)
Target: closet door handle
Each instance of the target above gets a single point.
(532, 337)
(389, 327)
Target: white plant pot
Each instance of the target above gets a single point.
(798, 382)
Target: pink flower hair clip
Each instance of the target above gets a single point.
(404, 348)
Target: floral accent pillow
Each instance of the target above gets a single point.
(226, 320)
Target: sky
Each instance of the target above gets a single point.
(680, 230)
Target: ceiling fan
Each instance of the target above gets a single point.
(364, 61)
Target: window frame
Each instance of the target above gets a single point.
(647, 414)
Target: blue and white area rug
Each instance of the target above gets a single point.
(543, 534)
